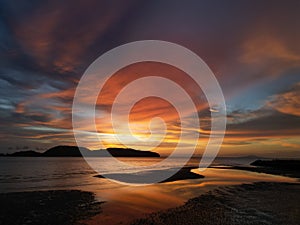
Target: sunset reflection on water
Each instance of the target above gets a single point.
(125, 203)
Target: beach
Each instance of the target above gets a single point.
(63, 207)
(246, 204)
(74, 194)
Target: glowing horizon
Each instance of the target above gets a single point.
(256, 59)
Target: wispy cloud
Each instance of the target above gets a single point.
(46, 46)
(287, 102)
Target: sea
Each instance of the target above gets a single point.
(20, 174)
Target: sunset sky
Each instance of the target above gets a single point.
(252, 47)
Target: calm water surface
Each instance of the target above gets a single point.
(26, 173)
(123, 202)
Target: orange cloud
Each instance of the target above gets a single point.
(287, 102)
(64, 95)
(270, 52)
(148, 108)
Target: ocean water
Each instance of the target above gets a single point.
(122, 202)
(30, 173)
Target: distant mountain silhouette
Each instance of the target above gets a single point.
(128, 152)
(26, 154)
(73, 151)
(64, 151)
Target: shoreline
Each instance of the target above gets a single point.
(245, 204)
(185, 186)
(253, 203)
(33, 203)
(266, 170)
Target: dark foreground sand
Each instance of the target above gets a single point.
(246, 204)
(47, 207)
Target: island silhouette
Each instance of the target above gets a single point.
(74, 151)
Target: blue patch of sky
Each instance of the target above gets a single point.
(255, 97)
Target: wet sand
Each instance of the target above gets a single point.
(246, 204)
(59, 207)
(123, 204)
(257, 203)
(220, 200)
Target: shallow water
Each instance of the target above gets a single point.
(123, 202)
(29, 173)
